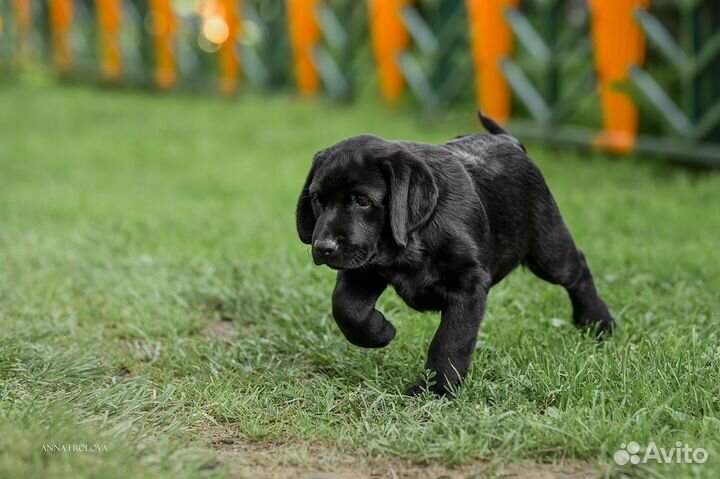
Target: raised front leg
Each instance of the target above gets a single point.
(353, 305)
(451, 349)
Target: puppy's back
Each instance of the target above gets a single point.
(489, 154)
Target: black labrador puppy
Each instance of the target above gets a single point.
(442, 224)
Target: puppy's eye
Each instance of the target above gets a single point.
(315, 199)
(362, 202)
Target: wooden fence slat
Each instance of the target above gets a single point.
(619, 44)
(108, 16)
(229, 63)
(389, 38)
(491, 40)
(304, 35)
(162, 28)
(22, 17)
(61, 13)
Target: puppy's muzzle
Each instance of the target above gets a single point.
(324, 250)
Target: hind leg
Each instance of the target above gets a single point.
(554, 258)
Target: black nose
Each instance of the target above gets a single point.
(326, 246)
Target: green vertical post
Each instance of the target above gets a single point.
(275, 49)
(146, 44)
(688, 41)
(550, 13)
(709, 79)
(5, 36)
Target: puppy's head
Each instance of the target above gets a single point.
(359, 194)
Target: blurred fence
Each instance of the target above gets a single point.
(622, 75)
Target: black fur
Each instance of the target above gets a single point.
(442, 224)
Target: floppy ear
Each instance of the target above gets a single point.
(305, 217)
(413, 193)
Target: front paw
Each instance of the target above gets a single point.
(372, 339)
(422, 386)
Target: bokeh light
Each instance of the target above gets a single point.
(206, 45)
(216, 29)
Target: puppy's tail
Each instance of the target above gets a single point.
(494, 129)
(490, 125)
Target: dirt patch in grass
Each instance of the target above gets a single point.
(223, 323)
(220, 330)
(311, 461)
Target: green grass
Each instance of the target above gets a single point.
(154, 298)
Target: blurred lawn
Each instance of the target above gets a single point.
(154, 298)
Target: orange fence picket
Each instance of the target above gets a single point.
(108, 12)
(229, 63)
(221, 26)
(491, 40)
(304, 35)
(23, 18)
(619, 43)
(389, 38)
(60, 20)
(161, 25)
